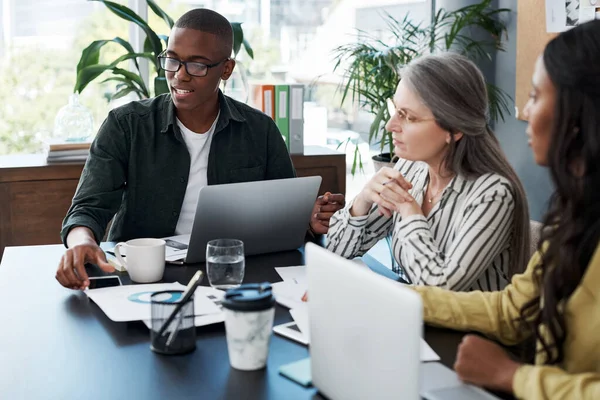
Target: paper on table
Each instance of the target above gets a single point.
(216, 296)
(300, 315)
(427, 353)
(112, 260)
(132, 302)
(289, 294)
(296, 275)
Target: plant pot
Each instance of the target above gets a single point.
(382, 160)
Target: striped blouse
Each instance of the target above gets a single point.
(463, 244)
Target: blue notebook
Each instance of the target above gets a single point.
(298, 371)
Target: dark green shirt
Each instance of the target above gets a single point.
(139, 164)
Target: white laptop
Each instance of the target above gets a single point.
(365, 335)
(268, 216)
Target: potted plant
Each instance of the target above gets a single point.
(89, 68)
(370, 65)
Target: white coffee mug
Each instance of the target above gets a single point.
(145, 260)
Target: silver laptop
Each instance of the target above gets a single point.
(268, 216)
(365, 333)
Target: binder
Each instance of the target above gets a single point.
(296, 110)
(282, 113)
(269, 100)
(263, 98)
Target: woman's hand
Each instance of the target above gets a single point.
(483, 363)
(388, 189)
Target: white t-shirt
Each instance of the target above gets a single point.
(198, 145)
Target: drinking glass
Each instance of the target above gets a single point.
(225, 263)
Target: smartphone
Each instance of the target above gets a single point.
(98, 282)
(176, 245)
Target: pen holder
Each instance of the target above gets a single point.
(180, 336)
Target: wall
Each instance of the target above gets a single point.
(511, 132)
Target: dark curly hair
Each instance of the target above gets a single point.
(572, 225)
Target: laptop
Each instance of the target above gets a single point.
(268, 216)
(365, 333)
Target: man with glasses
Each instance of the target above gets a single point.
(151, 157)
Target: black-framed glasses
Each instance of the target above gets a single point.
(193, 68)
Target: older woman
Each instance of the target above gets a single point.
(453, 204)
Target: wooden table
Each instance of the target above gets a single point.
(57, 344)
(35, 196)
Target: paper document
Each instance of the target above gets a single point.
(289, 294)
(295, 282)
(132, 302)
(216, 296)
(427, 353)
(296, 275)
(300, 315)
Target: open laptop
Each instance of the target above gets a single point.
(268, 216)
(365, 332)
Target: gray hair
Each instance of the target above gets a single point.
(454, 89)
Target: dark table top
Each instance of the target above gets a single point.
(55, 343)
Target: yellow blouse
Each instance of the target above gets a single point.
(495, 314)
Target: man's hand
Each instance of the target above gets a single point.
(71, 271)
(324, 208)
(484, 363)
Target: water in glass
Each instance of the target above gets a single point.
(225, 272)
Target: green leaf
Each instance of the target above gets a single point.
(248, 48)
(159, 11)
(160, 86)
(238, 37)
(132, 77)
(124, 43)
(130, 56)
(116, 79)
(124, 92)
(88, 74)
(149, 49)
(91, 54)
(128, 15)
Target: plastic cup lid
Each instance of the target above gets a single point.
(249, 297)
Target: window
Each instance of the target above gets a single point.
(41, 42)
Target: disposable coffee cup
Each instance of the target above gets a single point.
(249, 311)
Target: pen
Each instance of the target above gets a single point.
(175, 330)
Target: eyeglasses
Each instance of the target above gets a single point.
(404, 118)
(191, 67)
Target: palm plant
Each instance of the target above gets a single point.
(371, 66)
(89, 68)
